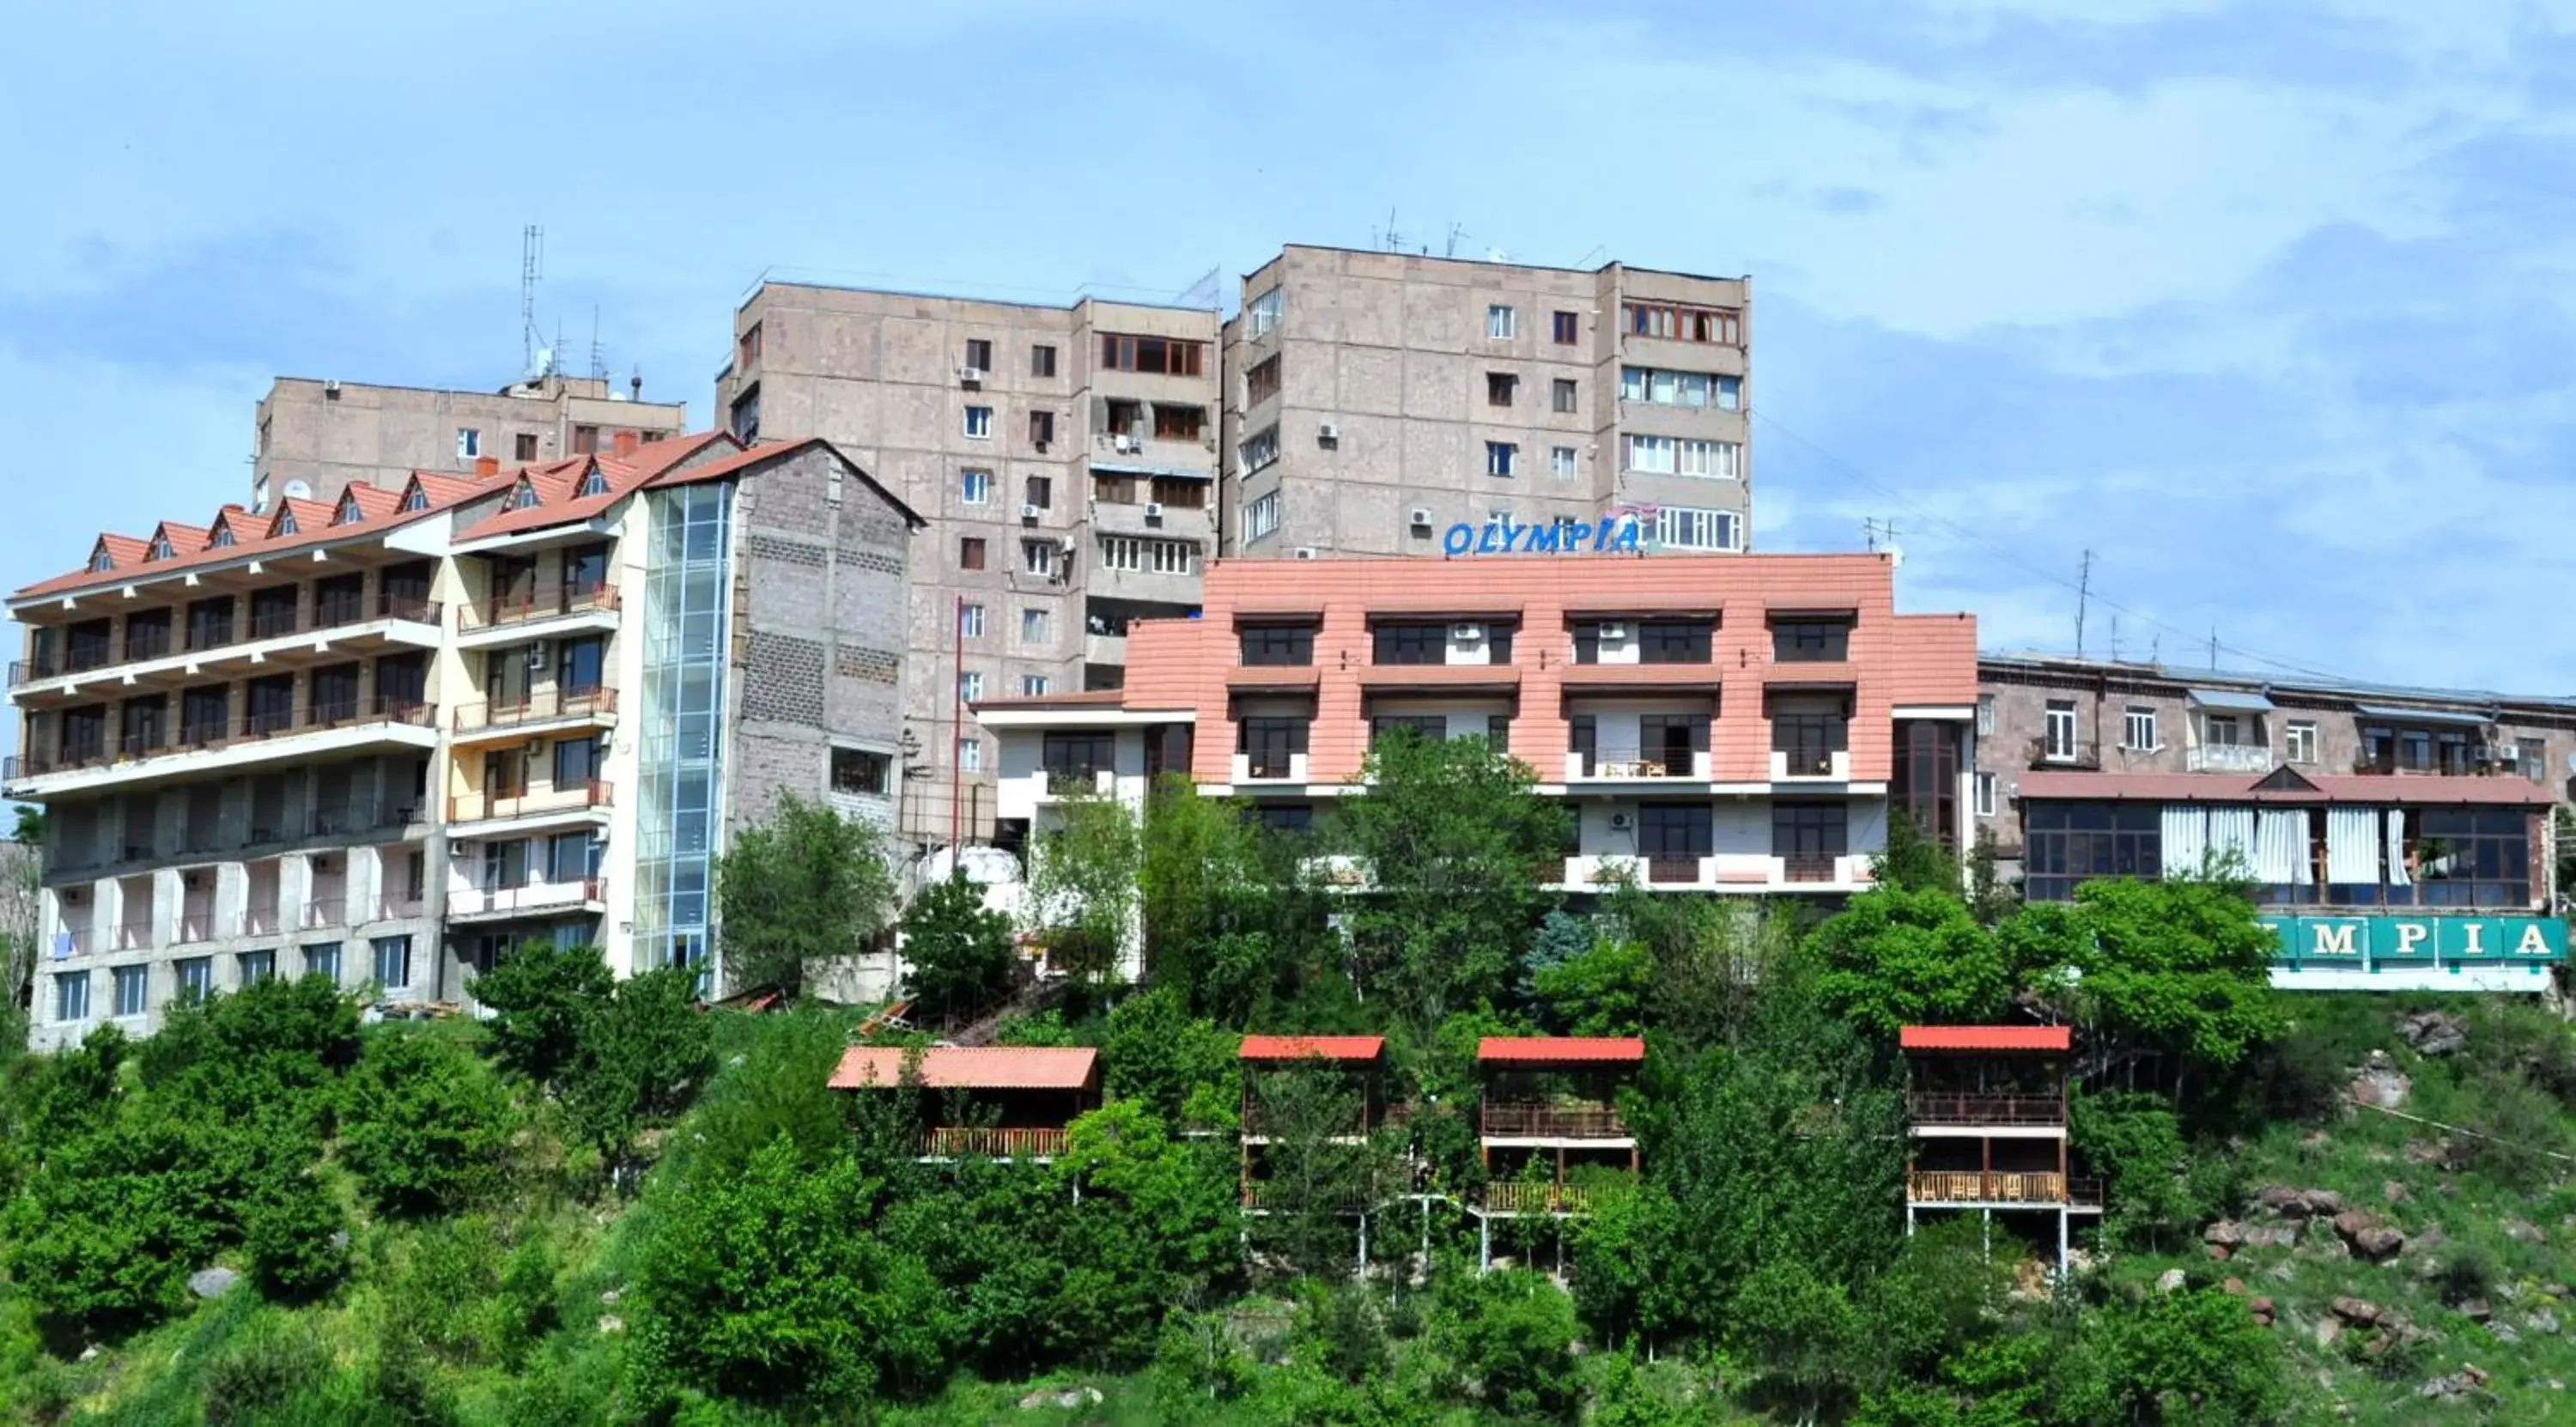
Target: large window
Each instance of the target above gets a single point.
(1926, 786)
(2473, 857)
(393, 961)
(1262, 382)
(1679, 527)
(132, 989)
(2299, 739)
(1671, 641)
(1258, 449)
(1809, 837)
(1432, 727)
(196, 978)
(1673, 837)
(2067, 844)
(1658, 387)
(858, 771)
(1279, 644)
(1160, 557)
(576, 762)
(2057, 744)
(572, 857)
(1809, 729)
(1678, 456)
(1411, 644)
(71, 996)
(1675, 322)
(1811, 641)
(1078, 755)
(1261, 517)
(323, 959)
(1168, 356)
(1179, 423)
(2138, 730)
(1264, 312)
(1268, 742)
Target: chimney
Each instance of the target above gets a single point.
(487, 465)
(623, 443)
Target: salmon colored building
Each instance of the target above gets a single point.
(1734, 723)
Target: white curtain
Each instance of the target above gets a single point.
(2232, 830)
(2397, 849)
(2352, 846)
(2281, 848)
(2186, 836)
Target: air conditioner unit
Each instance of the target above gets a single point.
(1305, 552)
(1421, 517)
(2508, 753)
(1612, 629)
(1123, 443)
(1618, 822)
(1466, 633)
(1329, 432)
(331, 386)
(1028, 512)
(1153, 510)
(971, 376)
(536, 748)
(536, 657)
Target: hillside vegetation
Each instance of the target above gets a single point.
(607, 1205)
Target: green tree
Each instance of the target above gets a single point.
(542, 997)
(1913, 860)
(1990, 898)
(1082, 884)
(642, 1057)
(1455, 842)
(958, 953)
(1199, 856)
(1315, 1177)
(1712, 958)
(1181, 1066)
(1800, 1334)
(296, 1238)
(1512, 1334)
(1599, 992)
(2179, 968)
(427, 1127)
(2160, 1193)
(1898, 956)
(2196, 1357)
(808, 885)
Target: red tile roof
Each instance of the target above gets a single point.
(2034, 1038)
(1294, 1048)
(769, 450)
(948, 1067)
(1560, 1050)
(557, 483)
(2382, 790)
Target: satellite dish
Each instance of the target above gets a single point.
(299, 490)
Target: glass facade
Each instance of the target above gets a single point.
(680, 784)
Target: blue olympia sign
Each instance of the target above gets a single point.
(1616, 534)
(2386, 940)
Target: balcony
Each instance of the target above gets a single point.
(528, 900)
(132, 935)
(1585, 767)
(1825, 762)
(2230, 758)
(1104, 649)
(259, 921)
(248, 731)
(1505, 1196)
(1551, 1120)
(1810, 868)
(2001, 1187)
(230, 636)
(323, 912)
(2073, 753)
(529, 803)
(193, 927)
(963, 1141)
(1983, 1109)
(511, 609)
(1270, 768)
(1077, 782)
(542, 705)
(397, 909)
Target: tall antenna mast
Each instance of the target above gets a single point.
(598, 353)
(532, 254)
(2083, 596)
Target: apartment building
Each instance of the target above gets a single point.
(1723, 724)
(388, 737)
(1378, 403)
(2398, 837)
(1065, 457)
(316, 437)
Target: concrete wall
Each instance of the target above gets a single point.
(330, 435)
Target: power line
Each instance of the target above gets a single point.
(2014, 559)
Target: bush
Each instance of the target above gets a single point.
(260, 1370)
(426, 1127)
(958, 952)
(543, 996)
(296, 1238)
(1511, 1333)
(1339, 1329)
(2466, 1274)
(642, 1057)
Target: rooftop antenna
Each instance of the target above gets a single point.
(1202, 293)
(1394, 239)
(1456, 232)
(532, 254)
(2213, 649)
(1873, 530)
(2115, 638)
(2083, 596)
(598, 353)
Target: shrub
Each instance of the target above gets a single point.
(958, 952)
(1512, 1334)
(543, 996)
(426, 1126)
(296, 1238)
(260, 1370)
(2466, 1274)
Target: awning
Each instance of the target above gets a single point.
(2229, 700)
(2442, 717)
(1137, 468)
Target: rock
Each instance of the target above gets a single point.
(2431, 1237)
(609, 1298)
(2445, 1388)
(2226, 1234)
(2394, 1191)
(2433, 1033)
(2355, 1310)
(2262, 1305)
(2554, 1290)
(2524, 1231)
(2326, 1331)
(2542, 1321)
(2217, 1253)
(89, 1352)
(2280, 1199)
(2281, 1272)
(611, 1323)
(2476, 1375)
(2504, 1333)
(2386, 1089)
(2170, 1281)
(2235, 1286)
(2324, 1248)
(2378, 1346)
(1071, 1398)
(2476, 1310)
(2300, 1203)
(2379, 1245)
(212, 1282)
(2275, 1236)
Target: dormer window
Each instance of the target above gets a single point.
(160, 549)
(595, 483)
(348, 512)
(414, 499)
(522, 496)
(285, 523)
(223, 538)
(100, 562)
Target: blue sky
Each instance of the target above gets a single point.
(2268, 305)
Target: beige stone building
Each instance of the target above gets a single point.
(317, 437)
(1374, 402)
(1065, 457)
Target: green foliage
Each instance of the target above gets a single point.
(958, 952)
(2159, 1191)
(1910, 861)
(1990, 898)
(1712, 957)
(780, 1091)
(1340, 1328)
(426, 1127)
(1799, 1333)
(1314, 1177)
(296, 1238)
(641, 1057)
(806, 885)
(2179, 967)
(1561, 936)
(262, 1369)
(1910, 955)
(1172, 1061)
(1082, 895)
(1450, 832)
(1599, 992)
(1511, 1333)
(2195, 1357)
(542, 996)
(271, 1051)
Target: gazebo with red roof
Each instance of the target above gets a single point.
(1000, 1102)
(1358, 1060)
(1552, 1101)
(1986, 1107)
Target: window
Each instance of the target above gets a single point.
(522, 496)
(348, 511)
(749, 345)
(1499, 387)
(858, 771)
(2300, 737)
(1036, 627)
(1262, 382)
(746, 416)
(393, 961)
(1673, 833)
(1258, 449)
(585, 440)
(469, 443)
(1672, 641)
(1411, 643)
(970, 621)
(2068, 844)
(523, 447)
(1078, 756)
(71, 996)
(1664, 388)
(1264, 312)
(1809, 836)
(1268, 743)
(132, 985)
(970, 755)
(1811, 641)
(1562, 395)
(593, 482)
(581, 665)
(1169, 356)
(1038, 556)
(1565, 327)
(1502, 322)
(1041, 429)
(1033, 686)
(1278, 644)
(1671, 456)
(979, 354)
(1680, 527)
(1809, 729)
(1180, 492)
(100, 561)
(196, 978)
(1560, 462)
(1432, 728)
(2472, 857)
(223, 537)
(1179, 423)
(576, 762)
(2138, 731)
(1286, 819)
(1261, 517)
(1985, 715)
(1498, 457)
(1675, 323)
(1042, 360)
(415, 498)
(1985, 795)
(1161, 557)
(257, 966)
(970, 552)
(979, 422)
(572, 857)
(975, 487)
(1925, 788)
(2059, 741)
(970, 687)
(323, 959)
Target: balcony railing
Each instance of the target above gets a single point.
(156, 641)
(530, 897)
(249, 728)
(1270, 765)
(76, 941)
(1809, 869)
(1551, 1120)
(1935, 1108)
(958, 1141)
(1505, 1196)
(2230, 758)
(1636, 767)
(324, 912)
(1672, 869)
(1067, 782)
(398, 909)
(193, 927)
(527, 606)
(483, 807)
(1809, 757)
(259, 921)
(1999, 1187)
(133, 935)
(2048, 752)
(537, 705)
